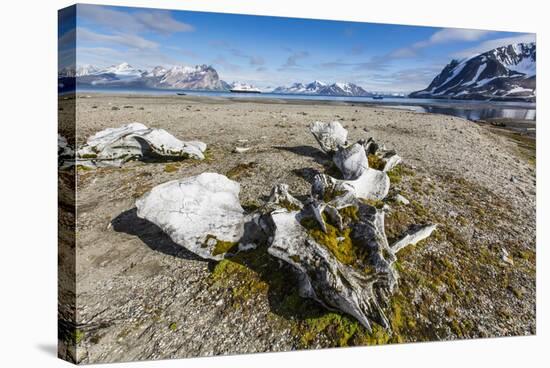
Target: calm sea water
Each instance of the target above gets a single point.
(472, 110)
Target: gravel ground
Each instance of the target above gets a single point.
(140, 296)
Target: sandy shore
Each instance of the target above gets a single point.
(140, 296)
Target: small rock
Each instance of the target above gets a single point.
(506, 257)
(241, 149)
(400, 199)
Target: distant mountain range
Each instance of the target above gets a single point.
(323, 89)
(200, 77)
(506, 73)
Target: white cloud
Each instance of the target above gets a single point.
(456, 34)
(497, 42)
(442, 36)
(159, 21)
(128, 40)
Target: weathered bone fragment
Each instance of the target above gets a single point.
(63, 148)
(357, 286)
(372, 184)
(390, 157)
(400, 199)
(65, 153)
(391, 162)
(281, 198)
(114, 146)
(241, 149)
(201, 213)
(329, 135)
(413, 237)
(369, 145)
(351, 161)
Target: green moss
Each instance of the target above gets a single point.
(78, 336)
(374, 203)
(516, 291)
(340, 328)
(526, 254)
(350, 213)
(375, 162)
(340, 242)
(397, 173)
(88, 156)
(221, 246)
(243, 282)
(241, 170)
(419, 210)
(173, 326)
(170, 168)
(208, 155)
(289, 206)
(295, 258)
(83, 168)
(416, 186)
(331, 193)
(396, 223)
(337, 242)
(251, 206)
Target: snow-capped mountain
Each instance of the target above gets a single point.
(202, 77)
(504, 73)
(121, 70)
(157, 71)
(184, 77)
(320, 88)
(86, 69)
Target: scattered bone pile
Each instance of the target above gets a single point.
(360, 281)
(335, 240)
(134, 141)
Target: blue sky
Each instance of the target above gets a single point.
(273, 51)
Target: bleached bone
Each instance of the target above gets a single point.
(114, 146)
(400, 199)
(65, 153)
(392, 162)
(63, 148)
(339, 286)
(281, 198)
(413, 237)
(369, 145)
(241, 149)
(329, 135)
(351, 161)
(199, 213)
(373, 185)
